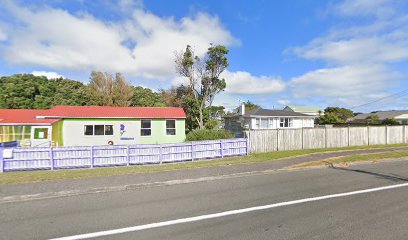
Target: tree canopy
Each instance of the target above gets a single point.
(37, 92)
(203, 76)
(333, 115)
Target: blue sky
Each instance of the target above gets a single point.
(301, 52)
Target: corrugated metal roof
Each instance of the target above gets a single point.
(41, 117)
(304, 109)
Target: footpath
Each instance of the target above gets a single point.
(63, 188)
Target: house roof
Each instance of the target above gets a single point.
(382, 114)
(24, 117)
(304, 108)
(270, 113)
(49, 116)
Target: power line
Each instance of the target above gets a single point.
(380, 99)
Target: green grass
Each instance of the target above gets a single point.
(357, 158)
(39, 176)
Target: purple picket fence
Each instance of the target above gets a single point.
(50, 158)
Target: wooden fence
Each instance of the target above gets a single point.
(313, 138)
(17, 159)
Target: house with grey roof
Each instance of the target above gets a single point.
(265, 119)
(400, 115)
(308, 110)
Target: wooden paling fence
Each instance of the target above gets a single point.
(313, 138)
(17, 159)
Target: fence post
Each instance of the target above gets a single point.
(247, 146)
(348, 136)
(51, 158)
(368, 135)
(404, 132)
(325, 136)
(221, 149)
(277, 139)
(303, 145)
(160, 155)
(127, 155)
(92, 156)
(1, 160)
(192, 151)
(386, 135)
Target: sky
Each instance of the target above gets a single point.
(350, 53)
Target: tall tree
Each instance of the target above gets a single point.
(250, 105)
(122, 92)
(107, 90)
(334, 115)
(203, 76)
(38, 92)
(145, 97)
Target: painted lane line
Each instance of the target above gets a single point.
(223, 214)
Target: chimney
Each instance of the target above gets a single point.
(243, 109)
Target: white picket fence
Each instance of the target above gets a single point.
(313, 138)
(17, 159)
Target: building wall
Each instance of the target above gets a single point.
(274, 123)
(73, 132)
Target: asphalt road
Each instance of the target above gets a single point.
(375, 215)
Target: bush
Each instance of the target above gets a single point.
(211, 124)
(208, 134)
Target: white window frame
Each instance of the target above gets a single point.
(175, 127)
(93, 130)
(282, 122)
(141, 128)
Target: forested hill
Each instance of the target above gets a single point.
(37, 92)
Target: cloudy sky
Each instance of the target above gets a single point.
(300, 52)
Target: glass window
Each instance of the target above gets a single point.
(286, 122)
(264, 123)
(108, 130)
(146, 128)
(171, 127)
(99, 129)
(88, 130)
(258, 122)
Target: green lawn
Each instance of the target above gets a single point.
(48, 175)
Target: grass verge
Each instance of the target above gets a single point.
(355, 158)
(39, 176)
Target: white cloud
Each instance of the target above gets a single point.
(347, 84)
(241, 82)
(49, 75)
(377, 8)
(359, 55)
(141, 45)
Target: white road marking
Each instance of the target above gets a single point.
(223, 214)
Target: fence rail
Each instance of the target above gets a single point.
(313, 138)
(17, 159)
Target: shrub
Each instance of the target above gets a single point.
(208, 134)
(211, 124)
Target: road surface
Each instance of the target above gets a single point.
(376, 214)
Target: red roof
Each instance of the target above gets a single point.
(38, 117)
(24, 117)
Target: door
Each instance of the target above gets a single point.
(41, 136)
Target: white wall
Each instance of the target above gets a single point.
(73, 133)
(297, 123)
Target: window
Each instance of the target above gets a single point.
(170, 127)
(286, 122)
(88, 130)
(108, 130)
(258, 122)
(146, 128)
(98, 130)
(264, 123)
(270, 122)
